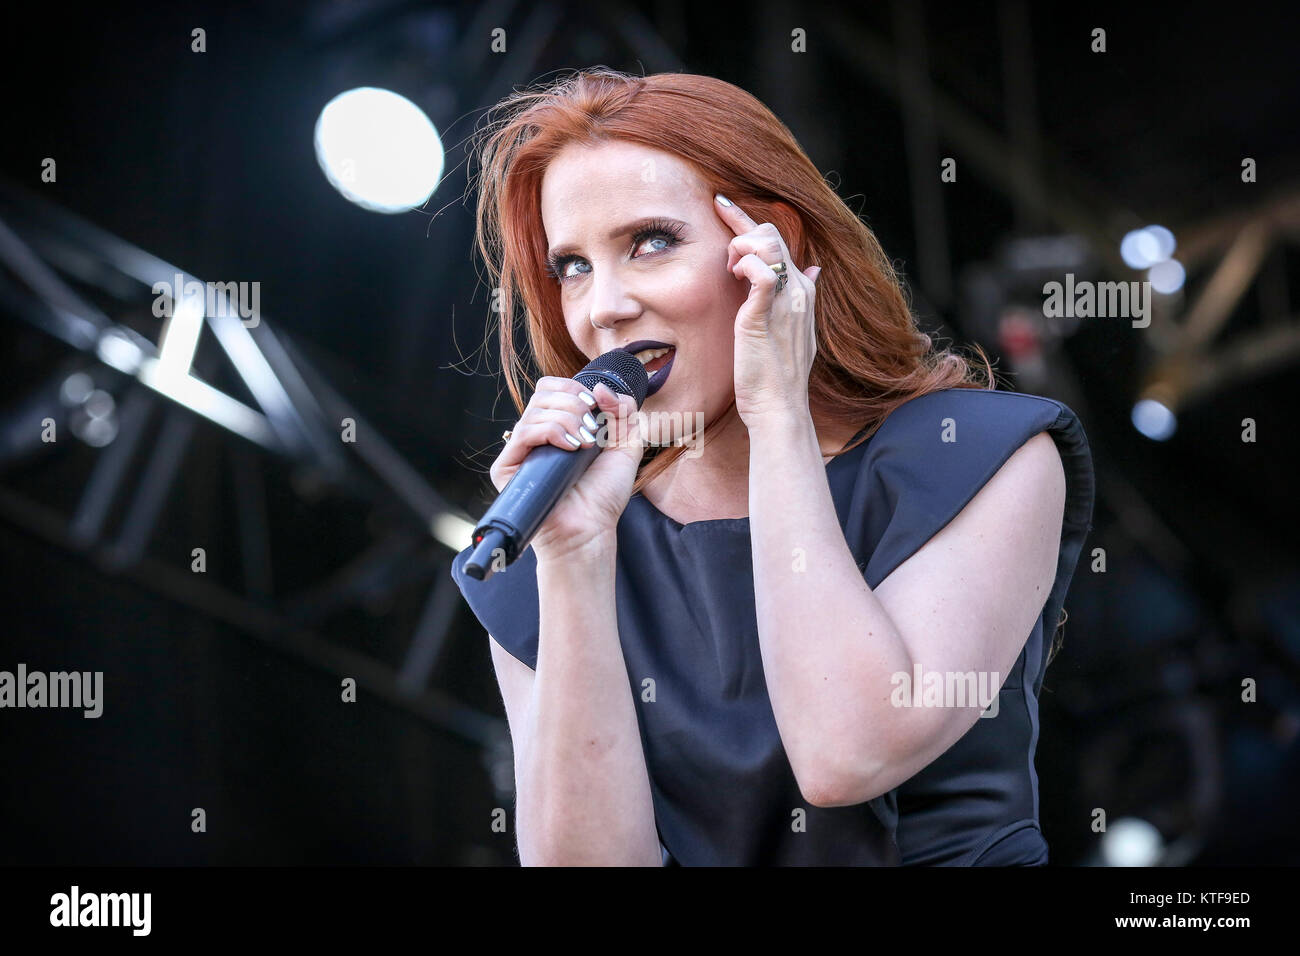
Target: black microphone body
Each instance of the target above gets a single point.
(546, 474)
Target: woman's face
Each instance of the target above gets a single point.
(642, 255)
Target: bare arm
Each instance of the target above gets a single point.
(583, 791)
(833, 647)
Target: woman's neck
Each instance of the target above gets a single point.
(714, 483)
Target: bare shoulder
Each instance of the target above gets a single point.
(972, 591)
(1022, 506)
(1036, 467)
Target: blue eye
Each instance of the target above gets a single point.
(671, 233)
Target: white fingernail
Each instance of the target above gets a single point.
(586, 435)
(572, 441)
(591, 402)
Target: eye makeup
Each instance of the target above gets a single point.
(658, 228)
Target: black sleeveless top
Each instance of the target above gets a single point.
(722, 787)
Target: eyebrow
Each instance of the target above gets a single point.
(616, 233)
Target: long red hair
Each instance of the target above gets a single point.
(871, 355)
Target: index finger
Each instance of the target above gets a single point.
(733, 215)
(558, 383)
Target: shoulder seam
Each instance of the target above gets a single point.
(1061, 409)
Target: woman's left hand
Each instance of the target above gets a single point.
(775, 336)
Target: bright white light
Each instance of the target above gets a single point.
(1167, 277)
(1154, 420)
(119, 351)
(1138, 249)
(1165, 243)
(452, 530)
(211, 403)
(1131, 842)
(180, 336)
(379, 149)
(1143, 248)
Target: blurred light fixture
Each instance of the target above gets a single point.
(1131, 841)
(1143, 248)
(379, 149)
(1154, 419)
(1167, 277)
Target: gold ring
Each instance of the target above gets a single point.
(781, 277)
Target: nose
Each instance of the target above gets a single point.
(611, 301)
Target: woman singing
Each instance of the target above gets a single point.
(813, 631)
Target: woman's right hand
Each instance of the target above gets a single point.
(592, 507)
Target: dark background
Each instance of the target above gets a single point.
(225, 695)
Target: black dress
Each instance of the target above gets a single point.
(722, 787)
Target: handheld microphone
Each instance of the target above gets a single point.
(546, 474)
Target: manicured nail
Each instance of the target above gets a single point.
(586, 435)
(589, 421)
(589, 399)
(572, 441)
(722, 199)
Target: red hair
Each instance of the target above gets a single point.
(871, 355)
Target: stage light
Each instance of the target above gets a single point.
(1165, 243)
(1143, 248)
(1139, 249)
(1130, 841)
(379, 150)
(1167, 277)
(1154, 419)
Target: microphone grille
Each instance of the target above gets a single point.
(619, 370)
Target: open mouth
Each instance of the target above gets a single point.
(657, 359)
